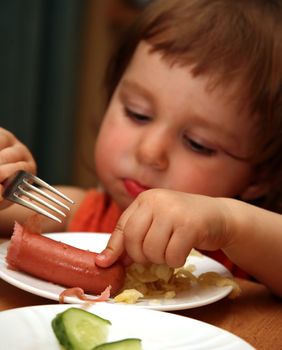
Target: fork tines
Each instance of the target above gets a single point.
(23, 184)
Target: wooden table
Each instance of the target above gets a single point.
(255, 316)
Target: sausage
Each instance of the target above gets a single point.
(61, 263)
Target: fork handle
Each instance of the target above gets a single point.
(11, 183)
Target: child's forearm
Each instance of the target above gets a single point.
(256, 243)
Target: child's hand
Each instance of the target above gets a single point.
(14, 156)
(162, 226)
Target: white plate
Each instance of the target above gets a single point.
(194, 297)
(157, 330)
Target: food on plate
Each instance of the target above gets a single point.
(78, 329)
(75, 269)
(161, 281)
(79, 294)
(61, 263)
(214, 279)
(124, 344)
(129, 296)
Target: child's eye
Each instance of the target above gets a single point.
(198, 147)
(138, 117)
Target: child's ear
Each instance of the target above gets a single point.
(255, 190)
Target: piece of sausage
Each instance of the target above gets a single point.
(61, 263)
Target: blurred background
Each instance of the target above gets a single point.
(52, 63)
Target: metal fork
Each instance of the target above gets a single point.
(18, 187)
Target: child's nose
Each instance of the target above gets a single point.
(153, 151)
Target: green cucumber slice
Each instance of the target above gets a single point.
(78, 329)
(123, 344)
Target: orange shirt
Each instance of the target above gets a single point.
(99, 213)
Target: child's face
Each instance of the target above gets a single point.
(164, 129)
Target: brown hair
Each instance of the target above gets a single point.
(228, 40)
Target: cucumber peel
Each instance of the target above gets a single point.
(123, 344)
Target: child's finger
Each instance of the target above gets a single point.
(7, 170)
(7, 139)
(113, 251)
(115, 247)
(179, 246)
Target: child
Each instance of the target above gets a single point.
(195, 107)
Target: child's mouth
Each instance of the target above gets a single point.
(134, 188)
